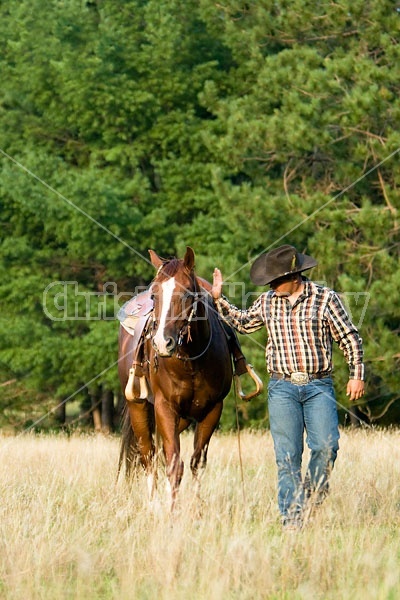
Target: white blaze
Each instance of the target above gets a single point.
(168, 288)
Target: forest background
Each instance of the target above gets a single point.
(232, 127)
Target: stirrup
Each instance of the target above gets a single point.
(129, 389)
(257, 381)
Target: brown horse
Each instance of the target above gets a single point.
(189, 372)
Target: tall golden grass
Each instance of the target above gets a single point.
(68, 531)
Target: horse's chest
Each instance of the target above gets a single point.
(200, 397)
(188, 392)
(194, 395)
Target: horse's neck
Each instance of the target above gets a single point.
(201, 322)
(204, 284)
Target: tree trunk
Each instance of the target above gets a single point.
(60, 413)
(96, 411)
(107, 411)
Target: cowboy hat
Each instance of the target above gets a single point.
(277, 263)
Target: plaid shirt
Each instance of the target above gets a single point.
(300, 336)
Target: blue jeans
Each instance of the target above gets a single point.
(294, 409)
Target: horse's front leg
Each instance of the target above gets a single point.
(203, 432)
(168, 426)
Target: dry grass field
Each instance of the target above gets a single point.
(68, 531)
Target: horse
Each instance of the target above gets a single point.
(189, 373)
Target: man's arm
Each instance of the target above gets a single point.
(246, 320)
(347, 337)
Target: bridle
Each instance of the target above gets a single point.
(185, 329)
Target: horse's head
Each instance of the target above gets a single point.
(174, 291)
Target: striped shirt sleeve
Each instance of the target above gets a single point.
(244, 321)
(346, 335)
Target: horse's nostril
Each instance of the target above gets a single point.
(170, 343)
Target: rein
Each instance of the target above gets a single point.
(186, 329)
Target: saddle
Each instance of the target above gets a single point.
(135, 316)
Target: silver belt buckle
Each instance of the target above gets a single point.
(299, 378)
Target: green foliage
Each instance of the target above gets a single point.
(232, 127)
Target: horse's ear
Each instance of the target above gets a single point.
(188, 259)
(156, 260)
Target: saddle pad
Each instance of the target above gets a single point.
(135, 311)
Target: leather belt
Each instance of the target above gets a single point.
(299, 377)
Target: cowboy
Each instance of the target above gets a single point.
(302, 320)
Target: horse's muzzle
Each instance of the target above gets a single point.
(164, 346)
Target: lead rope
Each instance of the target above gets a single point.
(239, 447)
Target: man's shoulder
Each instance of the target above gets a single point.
(319, 288)
(321, 292)
(267, 296)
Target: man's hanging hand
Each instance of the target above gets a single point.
(355, 389)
